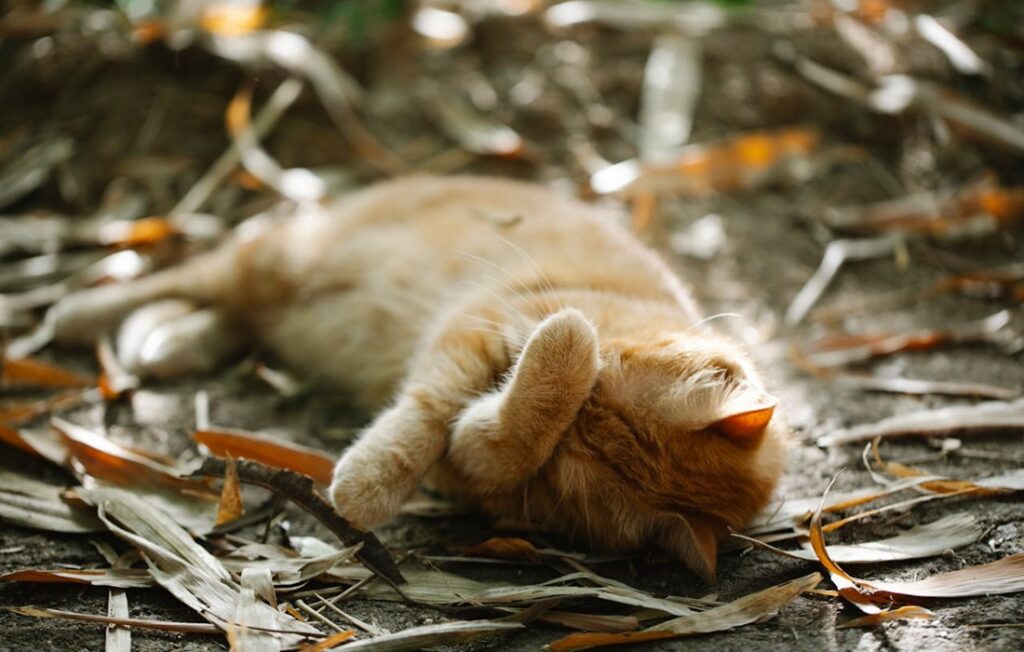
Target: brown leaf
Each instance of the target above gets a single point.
(1005, 575)
(104, 459)
(275, 453)
(144, 232)
(900, 613)
(16, 412)
(230, 506)
(116, 577)
(29, 372)
(587, 640)
(330, 642)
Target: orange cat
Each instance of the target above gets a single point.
(518, 347)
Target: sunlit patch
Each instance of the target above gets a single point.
(441, 28)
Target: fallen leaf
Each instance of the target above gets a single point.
(187, 570)
(29, 372)
(1005, 575)
(847, 349)
(104, 459)
(419, 638)
(160, 625)
(330, 642)
(984, 417)
(122, 578)
(118, 637)
(230, 505)
(34, 504)
(899, 613)
(999, 577)
(743, 611)
(273, 452)
(927, 540)
(232, 18)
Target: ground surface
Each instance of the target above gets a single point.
(147, 121)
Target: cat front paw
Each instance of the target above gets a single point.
(361, 495)
(563, 350)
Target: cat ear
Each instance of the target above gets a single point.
(694, 539)
(746, 415)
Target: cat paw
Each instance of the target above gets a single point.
(360, 494)
(565, 343)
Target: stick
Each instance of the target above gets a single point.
(298, 488)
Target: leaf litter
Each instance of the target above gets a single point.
(755, 159)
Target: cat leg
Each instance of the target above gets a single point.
(81, 317)
(174, 338)
(378, 473)
(506, 436)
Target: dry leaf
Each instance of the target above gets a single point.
(330, 642)
(743, 162)
(34, 504)
(232, 18)
(671, 88)
(273, 452)
(419, 638)
(743, 611)
(160, 625)
(122, 578)
(476, 132)
(928, 540)
(187, 570)
(1003, 576)
(999, 577)
(261, 582)
(900, 613)
(837, 254)
(299, 489)
(18, 412)
(144, 232)
(983, 417)
(230, 505)
(289, 572)
(796, 511)
(29, 372)
(847, 349)
(104, 459)
(119, 637)
(923, 387)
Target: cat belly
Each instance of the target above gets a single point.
(356, 341)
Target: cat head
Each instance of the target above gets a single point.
(677, 443)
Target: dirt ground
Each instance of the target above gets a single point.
(773, 241)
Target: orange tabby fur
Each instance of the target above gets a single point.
(519, 347)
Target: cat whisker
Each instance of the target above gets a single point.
(505, 272)
(513, 310)
(544, 279)
(711, 318)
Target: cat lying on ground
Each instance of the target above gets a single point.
(518, 347)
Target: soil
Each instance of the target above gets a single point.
(135, 105)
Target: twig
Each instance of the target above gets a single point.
(316, 614)
(299, 489)
(366, 627)
(162, 625)
(283, 97)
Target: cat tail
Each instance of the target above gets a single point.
(81, 317)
